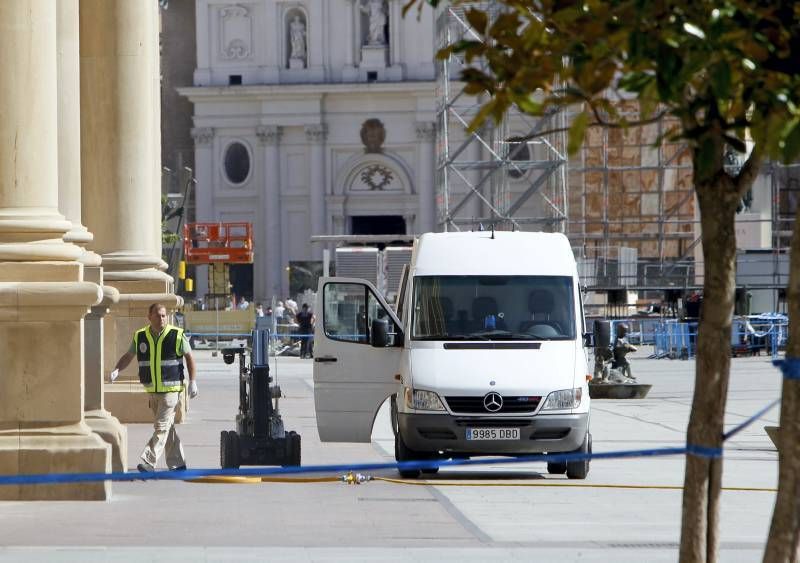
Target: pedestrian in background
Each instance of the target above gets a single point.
(305, 322)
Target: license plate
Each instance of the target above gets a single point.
(492, 433)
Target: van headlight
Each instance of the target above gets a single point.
(423, 400)
(564, 399)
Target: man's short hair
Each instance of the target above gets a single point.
(155, 307)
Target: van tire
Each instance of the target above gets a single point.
(580, 469)
(556, 467)
(402, 453)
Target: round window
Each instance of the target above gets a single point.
(518, 152)
(237, 163)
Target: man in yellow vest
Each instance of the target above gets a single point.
(160, 349)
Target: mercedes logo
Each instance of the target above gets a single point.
(493, 402)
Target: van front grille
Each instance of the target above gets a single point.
(511, 405)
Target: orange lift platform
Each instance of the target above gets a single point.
(218, 245)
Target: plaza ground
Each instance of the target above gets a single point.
(496, 512)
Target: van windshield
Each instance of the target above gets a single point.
(493, 308)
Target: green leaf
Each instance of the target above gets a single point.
(530, 106)
(481, 117)
(790, 145)
(721, 79)
(478, 20)
(576, 132)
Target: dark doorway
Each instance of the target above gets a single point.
(378, 225)
(241, 278)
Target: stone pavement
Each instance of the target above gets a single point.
(523, 513)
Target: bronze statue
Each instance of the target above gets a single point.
(622, 348)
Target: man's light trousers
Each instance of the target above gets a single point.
(164, 436)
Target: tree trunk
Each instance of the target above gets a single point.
(718, 199)
(784, 533)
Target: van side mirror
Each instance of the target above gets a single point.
(380, 337)
(379, 333)
(588, 340)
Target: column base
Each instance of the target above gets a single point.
(130, 404)
(113, 433)
(50, 452)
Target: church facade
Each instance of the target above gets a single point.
(312, 117)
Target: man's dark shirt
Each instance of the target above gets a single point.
(304, 320)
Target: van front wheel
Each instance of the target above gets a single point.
(403, 453)
(580, 469)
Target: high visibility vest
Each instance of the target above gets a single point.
(161, 360)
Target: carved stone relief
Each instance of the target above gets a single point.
(377, 176)
(296, 32)
(373, 134)
(235, 32)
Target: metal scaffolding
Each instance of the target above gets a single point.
(626, 203)
(482, 179)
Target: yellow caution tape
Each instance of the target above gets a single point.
(452, 483)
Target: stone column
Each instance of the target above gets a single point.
(120, 169)
(350, 71)
(270, 136)
(426, 134)
(43, 296)
(97, 417)
(204, 191)
(69, 202)
(316, 135)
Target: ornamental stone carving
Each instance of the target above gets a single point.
(297, 42)
(235, 32)
(316, 133)
(373, 134)
(203, 135)
(426, 130)
(268, 134)
(377, 176)
(236, 49)
(376, 10)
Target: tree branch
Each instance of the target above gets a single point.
(747, 175)
(538, 134)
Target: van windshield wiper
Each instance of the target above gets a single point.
(491, 335)
(451, 337)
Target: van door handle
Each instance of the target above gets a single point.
(325, 359)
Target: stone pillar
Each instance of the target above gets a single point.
(316, 137)
(426, 134)
(43, 296)
(204, 191)
(97, 417)
(120, 169)
(69, 121)
(270, 136)
(350, 70)
(69, 202)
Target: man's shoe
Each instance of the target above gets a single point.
(179, 468)
(145, 468)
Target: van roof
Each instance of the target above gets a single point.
(477, 253)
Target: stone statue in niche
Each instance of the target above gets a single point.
(377, 21)
(373, 134)
(297, 42)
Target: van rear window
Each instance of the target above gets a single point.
(493, 308)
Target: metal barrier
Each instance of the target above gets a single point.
(749, 337)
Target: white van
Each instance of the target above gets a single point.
(485, 355)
